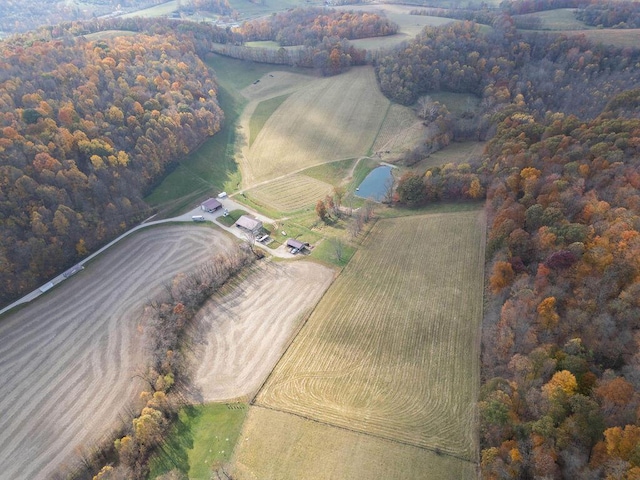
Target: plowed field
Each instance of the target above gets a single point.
(246, 328)
(68, 362)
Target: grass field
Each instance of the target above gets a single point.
(261, 114)
(401, 130)
(332, 118)
(279, 446)
(212, 167)
(457, 152)
(392, 348)
(558, 19)
(203, 437)
(161, 10)
(291, 193)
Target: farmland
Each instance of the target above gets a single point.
(241, 332)
(69, 361)
(400, 131)
(290, 193)
(391, 350)
(332, 118)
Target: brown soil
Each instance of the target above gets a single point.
(69, 361)
(244, 331)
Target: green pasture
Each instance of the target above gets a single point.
(559, 19)
(333, 173)
(261, 114)
(202, 439)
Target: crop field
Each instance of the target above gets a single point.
(333, 118)
(291, 193)
(241, 333)
(401, 130)
(276, 445)
(69, 361)
(392, 350)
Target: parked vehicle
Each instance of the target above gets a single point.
(198, 218)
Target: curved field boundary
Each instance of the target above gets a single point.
(291, 193)
(392, 347)
(69, 362)
(241, 333)
(332, 118)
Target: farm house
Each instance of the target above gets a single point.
(250, 224)
(210, 205)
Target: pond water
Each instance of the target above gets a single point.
(376, 184)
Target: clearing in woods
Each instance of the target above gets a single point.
(330, 119)
(391, 351)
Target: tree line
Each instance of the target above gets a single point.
(86, 128)
(308, 26)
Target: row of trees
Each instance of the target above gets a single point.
(308, 26)
(331, 56)
(167, 318)
(545, 72)
(86, 128)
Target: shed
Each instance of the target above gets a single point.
(210, 205)
(296, 244)
(250, 224)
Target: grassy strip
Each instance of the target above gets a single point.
(261, 114)
(332, 254)
(202, 440)
(331, 172)
(232, 218)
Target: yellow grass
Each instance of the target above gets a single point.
(291, 193)
(402, 130)
(332, 118)
(456, 152)
(276, 445)
(392, 348)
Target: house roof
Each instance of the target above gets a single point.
(211, 204)
(292, 242)
(248, 222)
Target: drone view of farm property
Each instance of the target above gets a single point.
(319, 240)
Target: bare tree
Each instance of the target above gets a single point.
(338, 248)
(250, 239)
(388, 189)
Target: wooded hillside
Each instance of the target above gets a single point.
(85, 128)
(555, 73)
(561, 361)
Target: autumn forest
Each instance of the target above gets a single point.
(89, 126)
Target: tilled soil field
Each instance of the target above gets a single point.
(69, 361)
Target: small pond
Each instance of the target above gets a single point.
(376, 184)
